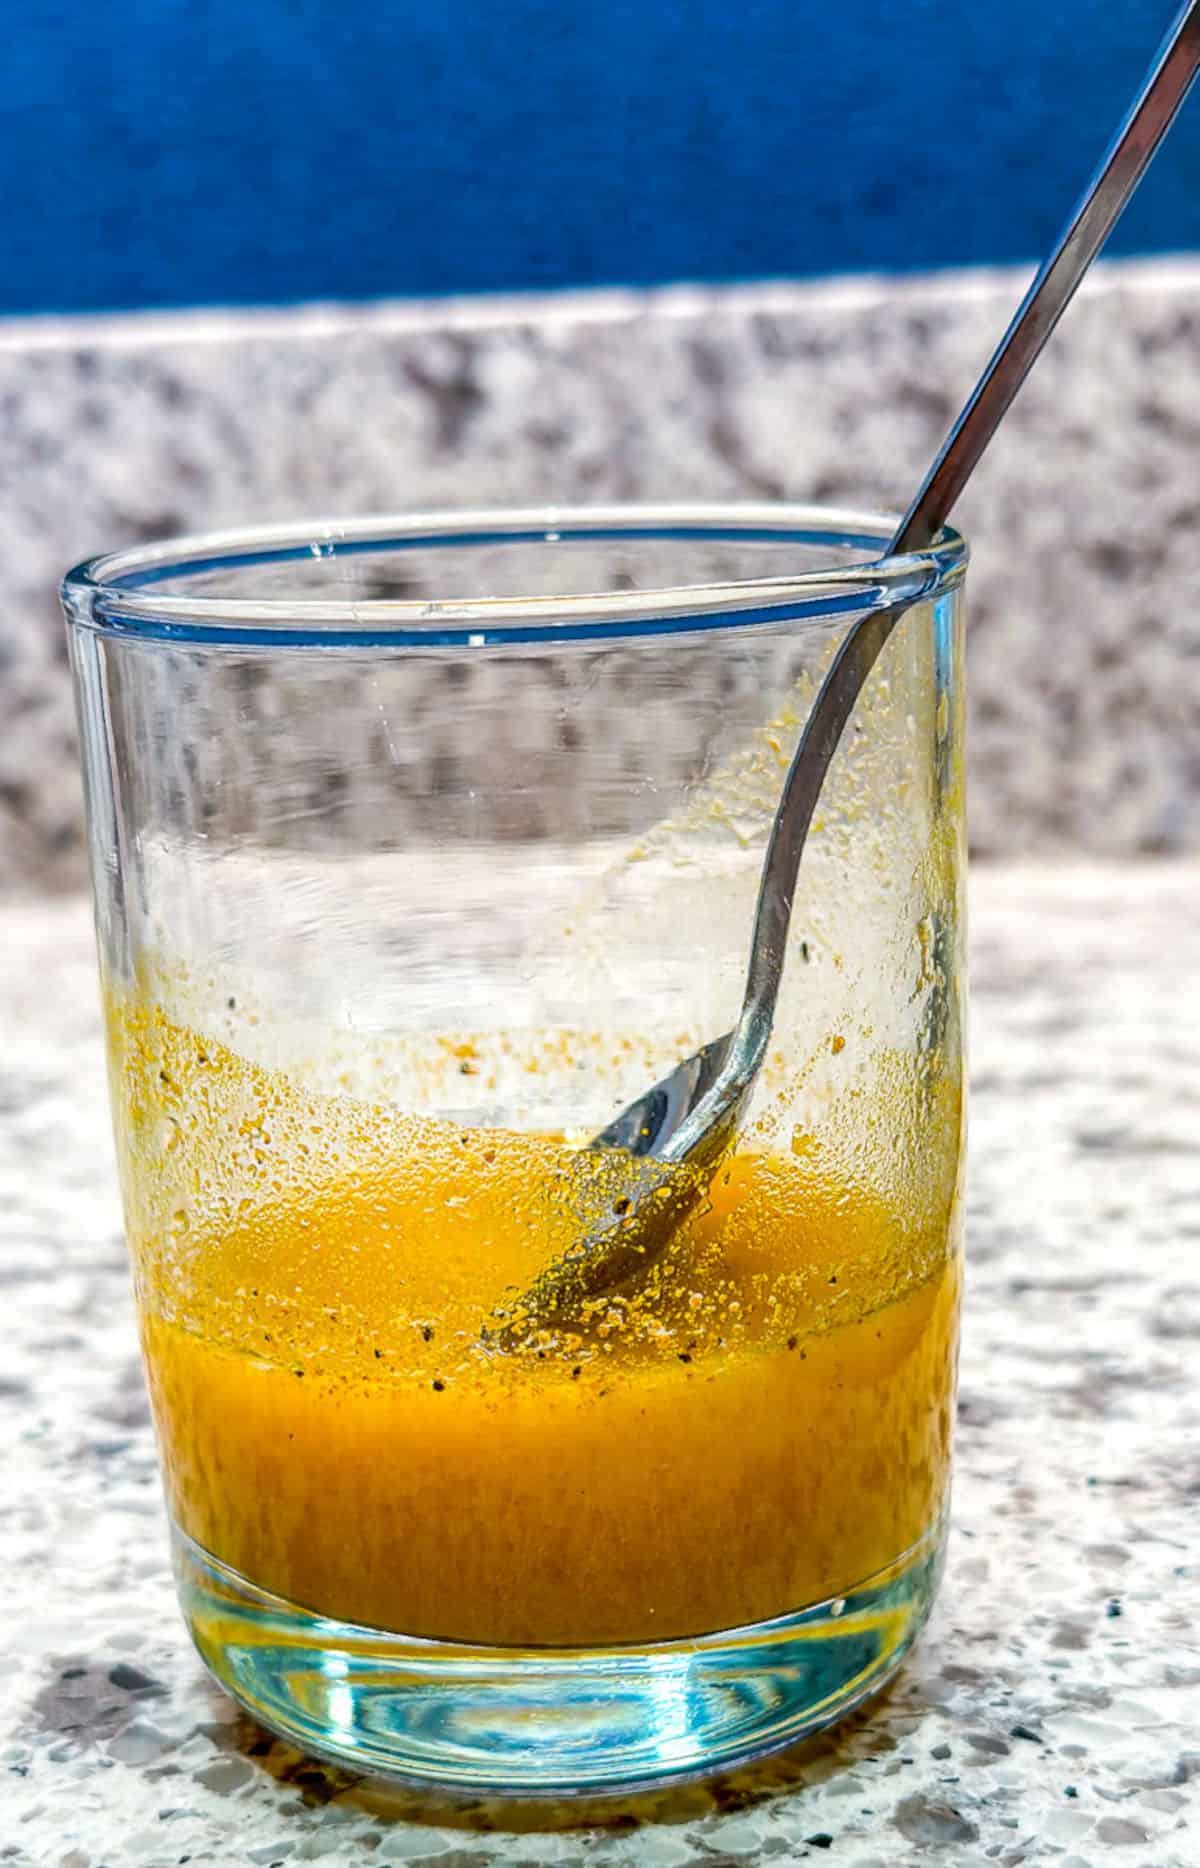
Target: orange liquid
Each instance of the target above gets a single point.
(765, 1422)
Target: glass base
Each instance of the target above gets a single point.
(550, 1721)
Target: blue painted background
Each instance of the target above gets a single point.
(170, 152)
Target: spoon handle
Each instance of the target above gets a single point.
(1143, 128)
(1146, 122)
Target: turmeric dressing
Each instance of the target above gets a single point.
(762, 1423)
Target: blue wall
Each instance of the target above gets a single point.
(170, 152)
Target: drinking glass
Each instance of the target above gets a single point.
(421, 846)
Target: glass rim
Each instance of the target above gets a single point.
(113, 593)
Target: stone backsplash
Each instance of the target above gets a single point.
(1084, 632)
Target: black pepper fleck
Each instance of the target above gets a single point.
(439, 1388)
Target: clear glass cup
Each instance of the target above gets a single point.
(421, 847)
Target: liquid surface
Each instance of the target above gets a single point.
(764, 1423)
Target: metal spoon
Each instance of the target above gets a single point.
(642, 1174)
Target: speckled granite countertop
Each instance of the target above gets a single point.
(1084, 591)
(1052, 1712)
